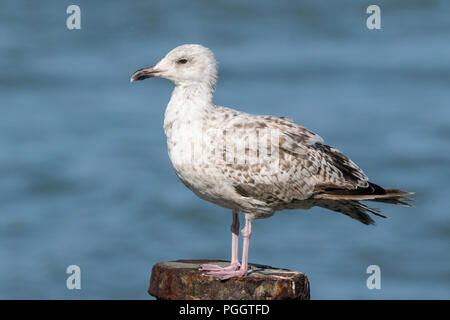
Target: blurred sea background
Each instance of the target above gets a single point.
(85, 177)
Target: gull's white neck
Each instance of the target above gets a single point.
(189, 102)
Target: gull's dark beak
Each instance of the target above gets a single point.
(145, 73)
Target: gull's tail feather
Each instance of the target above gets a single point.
(400, 200)
(351, 208)
(347, 201)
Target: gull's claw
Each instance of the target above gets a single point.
(227, 274)
(213, 267)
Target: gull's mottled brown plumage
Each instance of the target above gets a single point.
(307, 169)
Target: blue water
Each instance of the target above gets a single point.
(85, 176)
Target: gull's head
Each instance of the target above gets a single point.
(185, 65)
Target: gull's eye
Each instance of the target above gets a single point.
(182, 61)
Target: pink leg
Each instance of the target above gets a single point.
(235, 240)
(242, 271)
(234, 248)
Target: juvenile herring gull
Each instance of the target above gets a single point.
(249, 163)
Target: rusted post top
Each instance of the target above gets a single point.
(181, 280)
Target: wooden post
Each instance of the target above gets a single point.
(181, 280)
